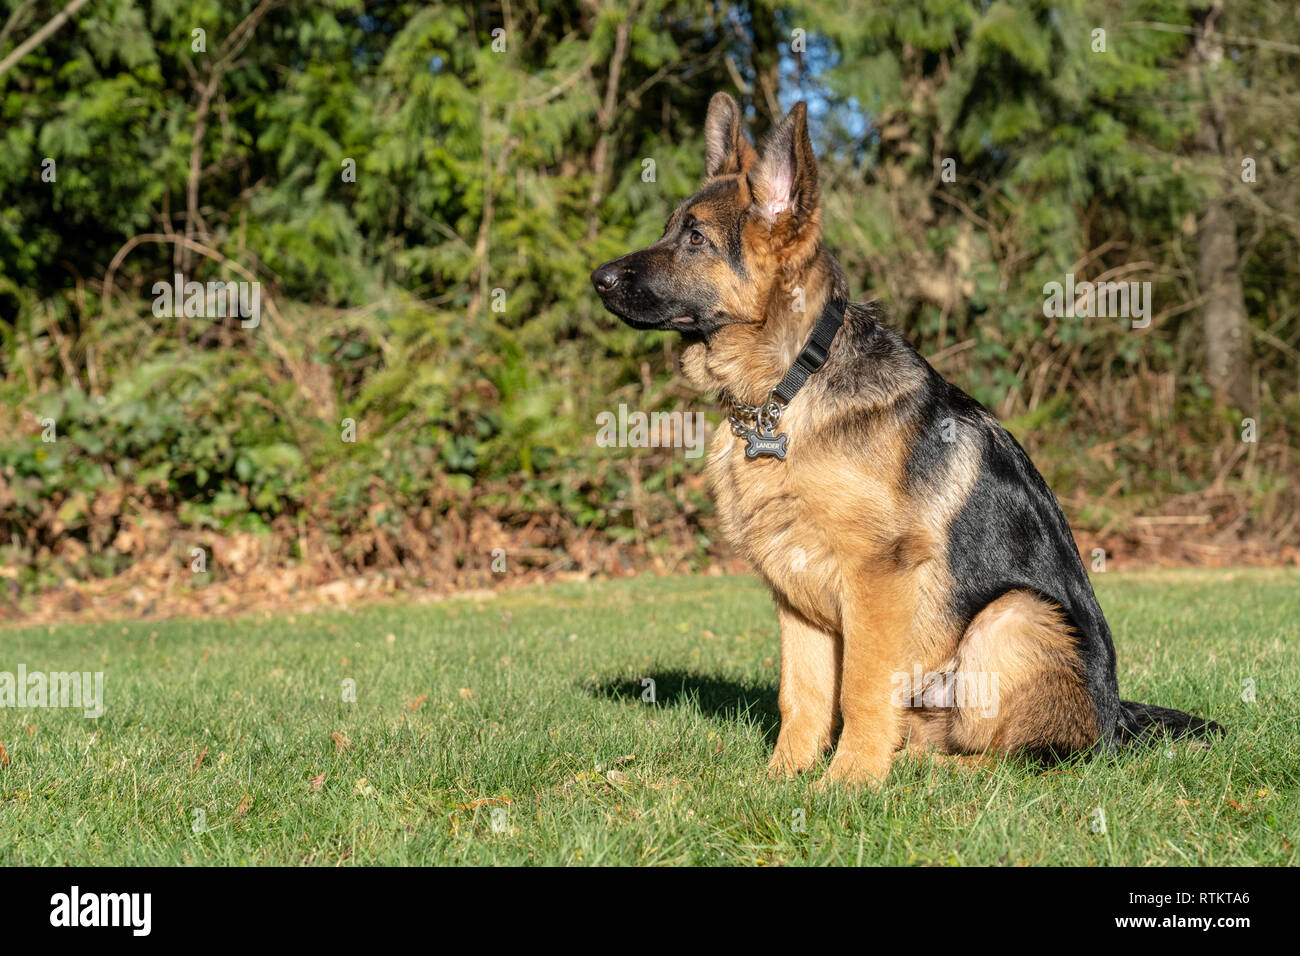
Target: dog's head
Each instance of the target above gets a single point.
(727, 249)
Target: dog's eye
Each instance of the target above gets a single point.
(697, 238)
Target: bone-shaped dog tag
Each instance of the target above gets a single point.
(771, 445)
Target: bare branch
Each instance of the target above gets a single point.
(37, 38)
(1192, 31)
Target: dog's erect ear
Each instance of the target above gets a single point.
(785, 179)
(726, 150)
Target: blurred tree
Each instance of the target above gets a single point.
(423, 189)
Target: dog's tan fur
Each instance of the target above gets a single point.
(929, 590)
(859, 601)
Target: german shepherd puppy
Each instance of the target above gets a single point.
(927, 585)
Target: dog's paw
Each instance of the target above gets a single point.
(783, 766)
(856, 772)
(794, 753)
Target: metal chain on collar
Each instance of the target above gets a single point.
(762, 440)
(766, 416)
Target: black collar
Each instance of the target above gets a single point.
(814, 354)
(764, 440)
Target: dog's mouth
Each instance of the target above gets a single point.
(651, 322)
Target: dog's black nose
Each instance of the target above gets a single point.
(604, 278)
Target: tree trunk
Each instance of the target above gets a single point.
(1223, 314)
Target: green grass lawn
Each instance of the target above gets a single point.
(512, 731)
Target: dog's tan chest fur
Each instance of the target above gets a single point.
(822, 525)
(809, 523)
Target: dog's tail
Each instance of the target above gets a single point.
(1139, 722)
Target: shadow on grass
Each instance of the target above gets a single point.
(716, 696)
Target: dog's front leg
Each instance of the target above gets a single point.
(809, 695)
(877, 624)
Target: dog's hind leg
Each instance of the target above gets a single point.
(1018, 683)
(809, 695)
